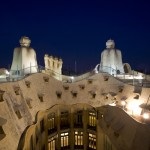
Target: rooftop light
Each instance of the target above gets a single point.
(123, 103)
(7, 72)
(133, 107)
(146, 116)
(72, 77)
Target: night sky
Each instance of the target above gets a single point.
(77, 31)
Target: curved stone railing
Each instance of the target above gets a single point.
(15, 75)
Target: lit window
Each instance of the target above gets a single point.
(51, 143)
(51, 123)
(92, 120)
(92, 141)
(78, 139)
(64, 139)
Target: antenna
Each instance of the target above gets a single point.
(75, 67)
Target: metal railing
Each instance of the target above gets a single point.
(15, 75)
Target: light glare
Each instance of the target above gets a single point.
(123, 103)
(133, 106)
(146, 116)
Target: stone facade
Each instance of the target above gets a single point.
(23, 100)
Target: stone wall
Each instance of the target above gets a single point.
(22, 99)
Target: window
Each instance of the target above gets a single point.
(64, 120)
(58, 93)
(90, 81)
(74, 94)
(66, 87)
(136, 97)
(28, 101)
(51, 123)
(92, 120)
(18, 114)
(93, 94)
(17, 91)
(78, 119)
(1, 96)
(64, 140)
(51, 143)
(82, 86)
(2, 133)
(46, 79)
(78, 139)
(92, 141)
(106, 78)
(120, 88)
(40, 96)
(28, 84)
(1, 130)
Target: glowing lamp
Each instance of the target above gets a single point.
(7, 72)
(123, 103)
(133, 107)
(146, 116)
(72, 77)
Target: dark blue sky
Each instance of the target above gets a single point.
(77, 30)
